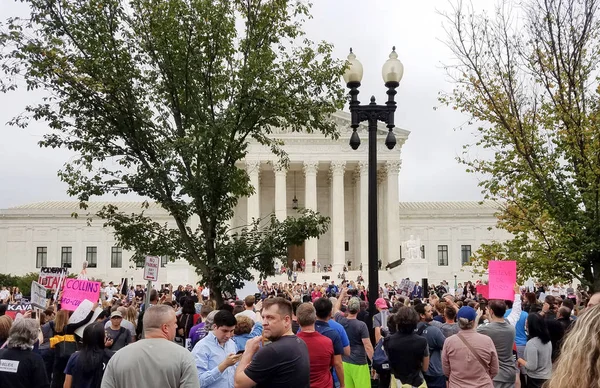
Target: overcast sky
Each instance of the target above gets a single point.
(429, 171)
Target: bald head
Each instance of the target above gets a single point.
(160, 321)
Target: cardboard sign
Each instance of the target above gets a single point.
(97, 312)
(13, 309)
(38, 295)
(151, 268)
(81, 311)
(406, 287)
(502, 277)
(51, 277)
(484, 290)
(76, 291)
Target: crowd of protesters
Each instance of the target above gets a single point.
(308, 335)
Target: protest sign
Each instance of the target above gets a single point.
(97, 312)
(38, 295)
(502, 279)
(75, 291)
(81, 311)
(484, 290)
(13, 309)
(406, 287)
(51, 277)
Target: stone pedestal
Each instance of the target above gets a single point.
(414, 269)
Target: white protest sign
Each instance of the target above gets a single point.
(151, 268)
(38, 295)
(82, 311)
(97, 312)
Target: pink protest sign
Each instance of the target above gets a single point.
(502, 279)
(75, 291)
(484, 290)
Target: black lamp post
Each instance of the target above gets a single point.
(392, 74)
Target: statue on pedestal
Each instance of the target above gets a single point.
(412, 248)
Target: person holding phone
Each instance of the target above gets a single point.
(216, 353)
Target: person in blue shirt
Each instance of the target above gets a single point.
(215, 354)
(245, 329)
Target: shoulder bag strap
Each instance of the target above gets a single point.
(483, 364)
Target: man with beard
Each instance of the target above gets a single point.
(434, 376)
(284, 362)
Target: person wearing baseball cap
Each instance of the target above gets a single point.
(469, 359)
(117, 337)
(380, 324)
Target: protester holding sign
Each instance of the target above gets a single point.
(64, 343)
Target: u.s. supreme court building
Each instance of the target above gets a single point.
(323, 174)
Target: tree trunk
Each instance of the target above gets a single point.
(218, 295)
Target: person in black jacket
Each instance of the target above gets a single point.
(22, 368)
(86, 367)
(63, 328)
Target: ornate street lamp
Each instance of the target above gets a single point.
(391, 72)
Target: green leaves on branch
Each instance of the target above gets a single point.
(527, 77)
(161, 99)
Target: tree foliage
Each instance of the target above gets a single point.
(161, 98)
(528, 76)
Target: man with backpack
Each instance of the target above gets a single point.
(434, 376)
(380, 323)
(117, 337)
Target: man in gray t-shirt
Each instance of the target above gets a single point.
(502, 334)
(356, 369)
(117, 337)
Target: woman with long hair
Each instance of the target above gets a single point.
(186, 320)
(131, 315)
(577, 365)
(538, 352)
(86, 367)
(64, 332)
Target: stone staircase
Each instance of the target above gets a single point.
(317, 277)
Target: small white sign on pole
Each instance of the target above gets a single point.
(38, 295)
(151, 268)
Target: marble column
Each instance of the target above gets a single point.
(363, 214)
(280, 191)
(393, 211)
(311, 250)
(337, 216)
(381, 216)
(253, 204)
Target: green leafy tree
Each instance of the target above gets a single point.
(161, 98)
(527, 75)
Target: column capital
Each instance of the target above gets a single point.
(337, 167)
(253, 166)
(393, 166)
(280, 168)
(363, 167)
(381, 175)
(310, 167)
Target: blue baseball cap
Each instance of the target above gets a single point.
(467, 312)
